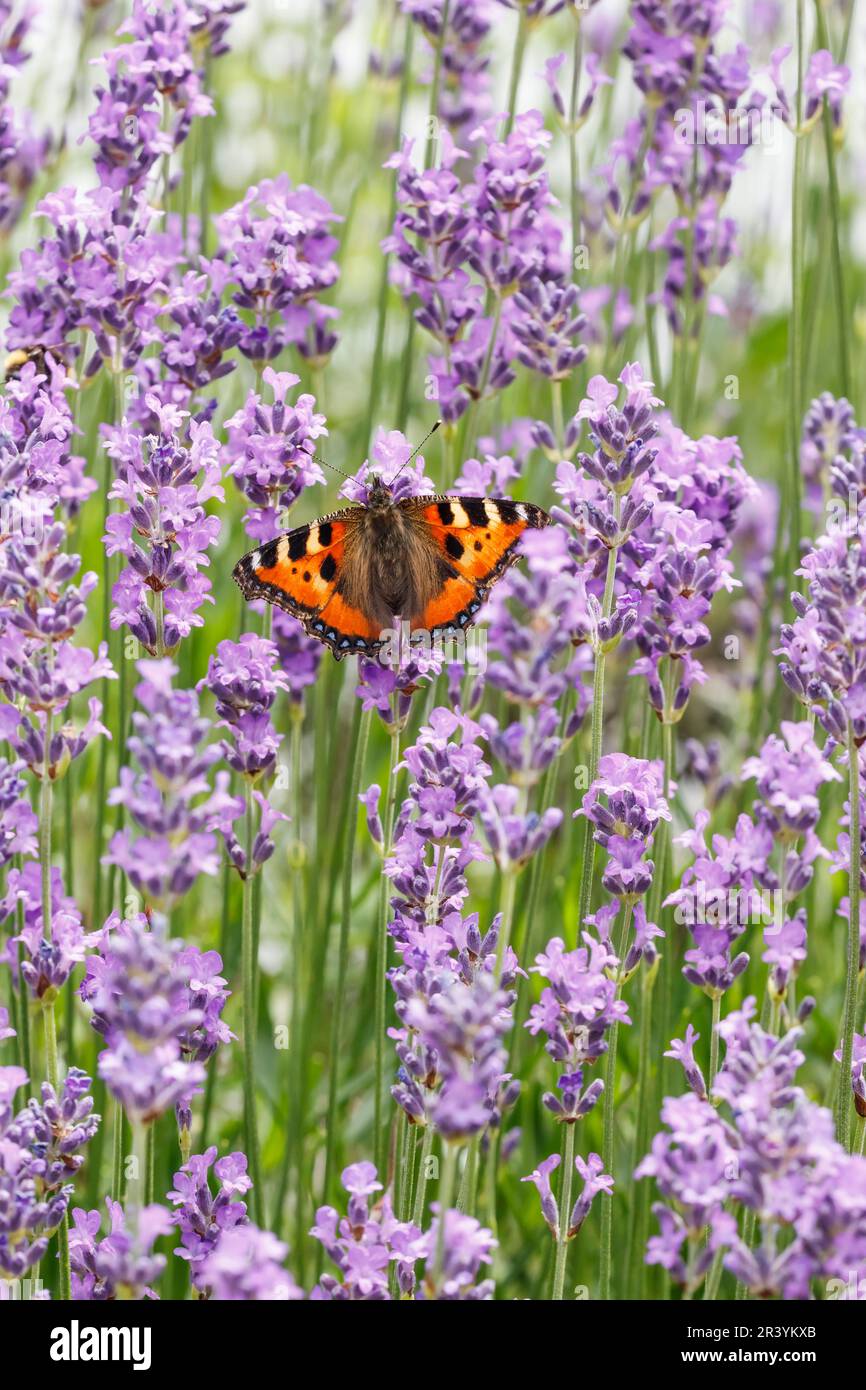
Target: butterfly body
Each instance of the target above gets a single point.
(429, 561)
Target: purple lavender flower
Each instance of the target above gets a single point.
(41, 669)
(210, 21)
(597, 79)
(790, 772)
(533, 659)
(368, 1241)
(625, 804)
(201, 1009)
(122, 1264)
(457, 242)
(245, 683)
(194, 349)
(280, 250)
(858, 1072)
(827, 81)
(53, 1131)
(107, 270)
(683, 1051)
(49, 952)
(824, 660)
(466, 1246)
(576, 1009)
(22, 152)
(775, 1156)
(270, 453)
(691, 135)
(829, 431)
(514, 837)
(18, 823)
(153, 75)
(164, 798)
(460, 1028)
(364, 1244)
(40, 1151)
(202, 1217)
(595, 1182)
(163, 487)
(464, 97)
(299, 656)
(247, 1265)
(785, 953)
(144, 1009)
(540, 1176)
(692, 1166)
(243, 680)
(547, 329)
(711, 964)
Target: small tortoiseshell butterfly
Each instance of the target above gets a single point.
(429, 561)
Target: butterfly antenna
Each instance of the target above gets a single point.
(318, 459)
(415, 452)
(334, 469)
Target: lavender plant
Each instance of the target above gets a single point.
(500, 963)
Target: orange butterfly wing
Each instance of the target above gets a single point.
(478, 537)
(299, 572)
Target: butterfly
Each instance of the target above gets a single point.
(429, 561)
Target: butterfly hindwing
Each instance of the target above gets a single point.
(477, 537)
(299, 571)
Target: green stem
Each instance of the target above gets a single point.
(517, 57)
(423, 1174)
(506, 909)
(46, 800)
(639, 1215)
(53, 1069)
(159, 618)
(435, 89)
(796, 346)
(248, 974)
(469, 1186)
(380, 1134)
(843, 322)
(564, 1212)
(714, 1043)
(117, 1152)
(135, 1197)
(607, 1147)
(471, 435)
(382, 309)
(714, 1278)
(558, 415)
(573, 167)
(597, 730)
(294, 1148)
(22, 1015)
(210, 1083)
(360, 752)
(446, 1194)
(149, 1164)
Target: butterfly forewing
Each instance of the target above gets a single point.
(478, 537)
(300, 572)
